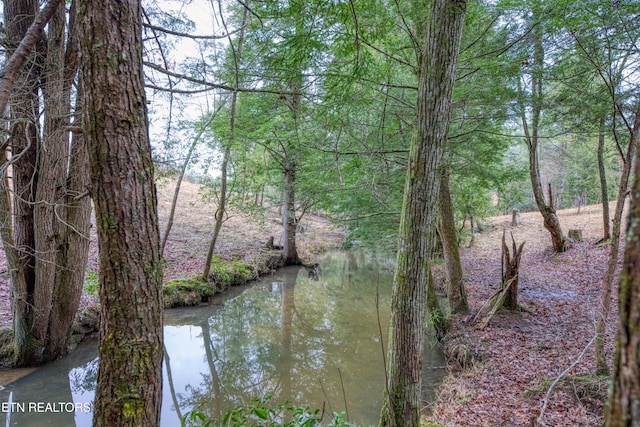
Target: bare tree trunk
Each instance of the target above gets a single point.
(455, 285)
(290, 251)
(222, 199)
(531, 132)
(26, 42)
(129, 391)
(605, 296)
(623, 405)
(176, 191)
(50, 203)
(220, 211)
(437, 58)
(603, 185)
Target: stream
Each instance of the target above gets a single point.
(314, 341)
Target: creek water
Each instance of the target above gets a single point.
(314, 341)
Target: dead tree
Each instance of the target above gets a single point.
(507, 295)
(510, 266)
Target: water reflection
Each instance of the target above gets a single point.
(312, 340)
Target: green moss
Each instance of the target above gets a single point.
(186, 291)
(192, 290)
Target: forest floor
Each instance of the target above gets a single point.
(519, 355)
(242, 237)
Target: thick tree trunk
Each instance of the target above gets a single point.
(23, 141)
(623, 406)
(455, 285)
(62, 215)
(51, 214)
(437, 59)
(129, 391)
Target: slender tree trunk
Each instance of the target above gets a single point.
(531, 132)
(623, 406)
(455, 286)
(129, 391)
(222, 199)
(220, 211)
(23, 141)
(437, 59)
(603, 185)
(605, 296)
(290, 251)
(176, 191)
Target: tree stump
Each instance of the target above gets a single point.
(515, 218)
(575, 235)
(510, 266)
(507, 294)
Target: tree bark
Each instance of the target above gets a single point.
(455, 285)
(623, 406)
(129, 391)
(531, 132)
(605, 296)
(437, 58)
(47, 250)
(290, 250)
(606, 222)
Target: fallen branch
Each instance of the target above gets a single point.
(545, 402)
(498, 303)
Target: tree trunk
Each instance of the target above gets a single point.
(290, 251)
(220, 211)
(510, 275)
(623, 406)
(603, 185)
(437, 59)
(51, 210)
(455, 286)
(531, 132)
(605, 296)
(222, 199)
(129, 391)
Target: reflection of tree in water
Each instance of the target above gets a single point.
(289, 338)
(85, 377)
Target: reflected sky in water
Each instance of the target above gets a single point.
(312, 340)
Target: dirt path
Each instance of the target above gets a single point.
(518, 355)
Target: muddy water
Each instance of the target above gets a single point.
(312, 340)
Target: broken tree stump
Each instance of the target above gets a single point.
(510, 266)
(507, 294)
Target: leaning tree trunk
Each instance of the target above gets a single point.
(603, 185)
(129, 391)
(437, 58)
(222, 198)
(623, 406)
(455, 285)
